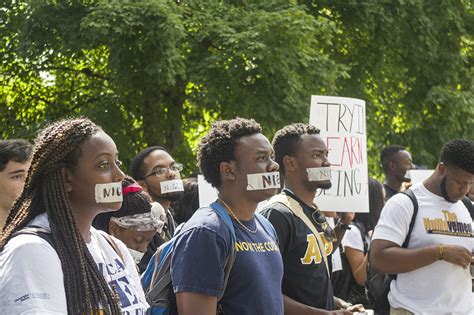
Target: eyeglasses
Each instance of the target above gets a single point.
(320, 219)
(176, 167)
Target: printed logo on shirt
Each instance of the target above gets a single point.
(448, 225)
(313, 254)
(41, 296)
(256, 247)
(121, 285)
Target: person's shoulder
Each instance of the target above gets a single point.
(110, 238)
(27, 247)
(206, 219)
(402, 199)
(27, 241)
(276, 207)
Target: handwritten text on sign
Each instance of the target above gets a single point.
(342, 124)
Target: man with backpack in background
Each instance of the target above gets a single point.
(430, 250)
(234, 157)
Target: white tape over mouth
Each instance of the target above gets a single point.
(319, 174)
(170, 186)
(107, 193)
(261, 181)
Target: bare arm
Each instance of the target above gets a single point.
(388, 257)
(293, 307)
(196, 304)
(358, 263)
(345, 218)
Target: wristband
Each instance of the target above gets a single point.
(441, 251)
(343, 226)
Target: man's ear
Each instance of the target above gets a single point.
(113, 228)
(392, 166)
(67, 175)
(441, 167)
(142, 183)
(289, 163)
(227, 169)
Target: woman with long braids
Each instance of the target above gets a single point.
(65, 266)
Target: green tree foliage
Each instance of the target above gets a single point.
(159, 72)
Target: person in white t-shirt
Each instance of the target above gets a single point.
(71, 268)
(356, 244)
(433, 272)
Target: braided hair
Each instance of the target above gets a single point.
(58, 147)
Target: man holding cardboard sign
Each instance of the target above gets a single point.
(305, 237)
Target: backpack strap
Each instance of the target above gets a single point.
(468, 203)
(222, 213)
(295, 207)
(412, 197)
(361, 229)
(38, 231)
(114, 245)
(409, 193)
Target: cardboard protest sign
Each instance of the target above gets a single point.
(207, 193)
(417, 176)
(342, 124)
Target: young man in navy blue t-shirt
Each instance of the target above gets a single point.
(231, 156)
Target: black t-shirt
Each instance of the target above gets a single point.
(305, 277)
(389, 191)
(157, 240)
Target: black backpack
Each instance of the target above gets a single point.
(38, 231)
(378, 284)
(343, 282)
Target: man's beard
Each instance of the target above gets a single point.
(319, 185)
(173, 196)
(325, 185)
(444, 191)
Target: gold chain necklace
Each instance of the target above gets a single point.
(235, 218)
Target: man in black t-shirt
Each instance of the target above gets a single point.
(395, 161)
(303, 158)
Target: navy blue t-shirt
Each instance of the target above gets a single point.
(200, 254)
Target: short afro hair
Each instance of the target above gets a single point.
(17, 150)
(459, 153)
(136, 166)
(286, 140)
(219, 144)
(387, 154)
